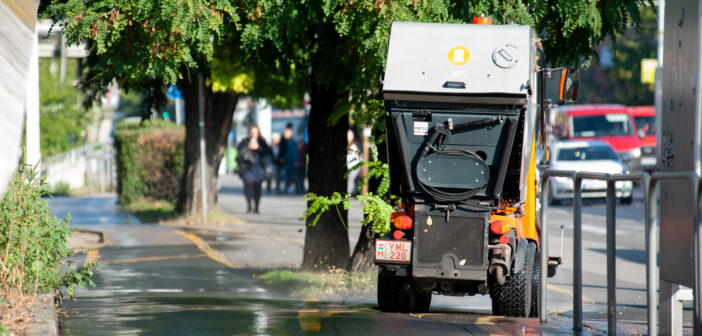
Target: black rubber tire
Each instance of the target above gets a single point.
(397, 294)
(513, 298)
(423, 300)
(535, 284)
(626, 200)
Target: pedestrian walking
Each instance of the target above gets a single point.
(291, 161)
(273, 167)
(280, 159)
(353, 157)
(252, 161)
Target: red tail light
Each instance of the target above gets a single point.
(397, 234)
(401, 221)
(504, 240)
(499, 227)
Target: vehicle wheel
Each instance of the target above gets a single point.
(626, 200)
(397, 294)
(513, 298)
(535, 282)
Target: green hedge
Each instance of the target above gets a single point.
(150, 160)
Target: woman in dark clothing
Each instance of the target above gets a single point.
(253, 159)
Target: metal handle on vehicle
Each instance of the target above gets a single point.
(454, 85)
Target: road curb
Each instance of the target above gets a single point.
(44, 317)
(105, 239)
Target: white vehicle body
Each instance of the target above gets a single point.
(573, 155)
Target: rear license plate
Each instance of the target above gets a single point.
(393, 250)
(648, 161)
(594, 185)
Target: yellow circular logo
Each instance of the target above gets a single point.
(458, 55)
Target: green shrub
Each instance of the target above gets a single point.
(151, 211)
(61, 188)
(33, 241)
(150, 160)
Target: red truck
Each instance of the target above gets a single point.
(605, 122)
(645, 122)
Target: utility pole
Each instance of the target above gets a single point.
(62, 73)
(203, 179)
(366, 156)
(658, 86)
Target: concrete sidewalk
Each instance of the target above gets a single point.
(277, 231)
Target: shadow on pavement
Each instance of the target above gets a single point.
(636, 256)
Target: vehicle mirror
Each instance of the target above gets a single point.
(546, 159)
(561, 85)
(570, 83)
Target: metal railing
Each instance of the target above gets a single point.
(73, 154)
(651, 185)
(94, 162)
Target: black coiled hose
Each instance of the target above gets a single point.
(450, 195)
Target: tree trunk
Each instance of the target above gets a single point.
(326, 243)
(218, 109)
(363, 258)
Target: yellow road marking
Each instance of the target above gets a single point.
(309, 318)
(325, 313)
(132, 260)
(205, 247)
(254, 236)
(92, 256)
(567, 292)
(486, 323)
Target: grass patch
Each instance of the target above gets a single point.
(61, 189)
(151, 211)
(215, 217)
(162, 212)
(330, 285)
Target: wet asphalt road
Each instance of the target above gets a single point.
(159, 281)
(155, 282)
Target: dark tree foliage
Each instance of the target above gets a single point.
(335, 49)
(619, 80)
(344, 42)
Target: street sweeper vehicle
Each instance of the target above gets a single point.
(465, 117)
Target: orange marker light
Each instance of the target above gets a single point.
(401, 221)
(482, 20)
(499, 227)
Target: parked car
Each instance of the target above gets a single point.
(608, 123)
(591, 156)
(645, 121)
